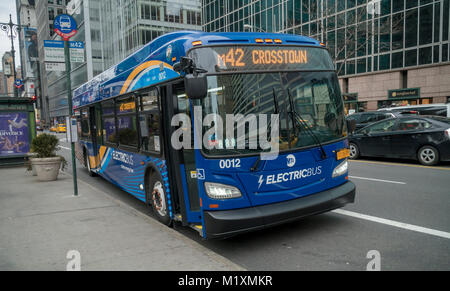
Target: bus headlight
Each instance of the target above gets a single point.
(221, 191)
(341, 169)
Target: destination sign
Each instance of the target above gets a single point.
(236, 57)
(251, 58)
(127, 107)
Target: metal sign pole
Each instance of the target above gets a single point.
(69, 96)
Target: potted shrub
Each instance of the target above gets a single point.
(46, 162)
(30, 167)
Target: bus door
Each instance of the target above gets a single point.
(186, 165)
(96, 134)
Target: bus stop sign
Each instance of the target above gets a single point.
(18, 83)
(65, 26)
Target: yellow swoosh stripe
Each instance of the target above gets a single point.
(102, 152)
(138, 70)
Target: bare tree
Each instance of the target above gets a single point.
(358, 31)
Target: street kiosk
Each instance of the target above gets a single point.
(17, 129)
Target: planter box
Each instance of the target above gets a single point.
(47, 168)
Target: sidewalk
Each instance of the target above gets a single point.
(41, 221)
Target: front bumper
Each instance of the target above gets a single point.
(231, 222)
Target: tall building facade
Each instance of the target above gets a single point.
(26, 17)
(127, 25)
(387, 52)
(46, 11)
(8, 75)
(2, 84)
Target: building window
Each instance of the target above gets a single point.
(426, 25)
(411, 28)
(411, 58)
(436, 54)
(51, 13)
(397, 31)
(425, 55)
(397, 60)
(385, 62)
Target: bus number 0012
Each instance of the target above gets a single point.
(226, 164)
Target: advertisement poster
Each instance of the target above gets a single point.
(14, 134)
(31, 50)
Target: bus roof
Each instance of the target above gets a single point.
(153, 62)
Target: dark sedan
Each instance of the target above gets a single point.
(364, 119)
(424, 138)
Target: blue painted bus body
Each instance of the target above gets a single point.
(274, 182)
(168, 49)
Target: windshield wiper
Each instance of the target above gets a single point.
(275, 102)
(302, 123)
(255, 166)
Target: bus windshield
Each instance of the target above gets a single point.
(316, 97)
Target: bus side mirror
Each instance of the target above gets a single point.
(351, 125)
(177, 67)
(196, 86)
(185, 65)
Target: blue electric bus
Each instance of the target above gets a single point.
(126, 130)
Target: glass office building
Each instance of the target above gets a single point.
(387, 52)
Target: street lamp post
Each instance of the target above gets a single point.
(12, 30)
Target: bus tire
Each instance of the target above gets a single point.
(88, 164)
(428, 155)
(354, 151)
(158, 199)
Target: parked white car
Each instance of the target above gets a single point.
(424, 109)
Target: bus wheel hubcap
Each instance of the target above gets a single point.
(428, 155)
(159, 199)
(352, 151)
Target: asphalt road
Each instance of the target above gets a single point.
(402, 211)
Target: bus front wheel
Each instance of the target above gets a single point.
(159, 200)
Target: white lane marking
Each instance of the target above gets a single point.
(394, 223)
(69, 149)
(377, 180)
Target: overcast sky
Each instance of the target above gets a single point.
(8, 7)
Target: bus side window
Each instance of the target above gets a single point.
(77, 115)
(149, 121)
(108, 122)
(85, 128)
(126, 122)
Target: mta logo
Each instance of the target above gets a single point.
(290, 161)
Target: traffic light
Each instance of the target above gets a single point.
(33, 99)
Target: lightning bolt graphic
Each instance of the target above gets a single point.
(261, 180)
